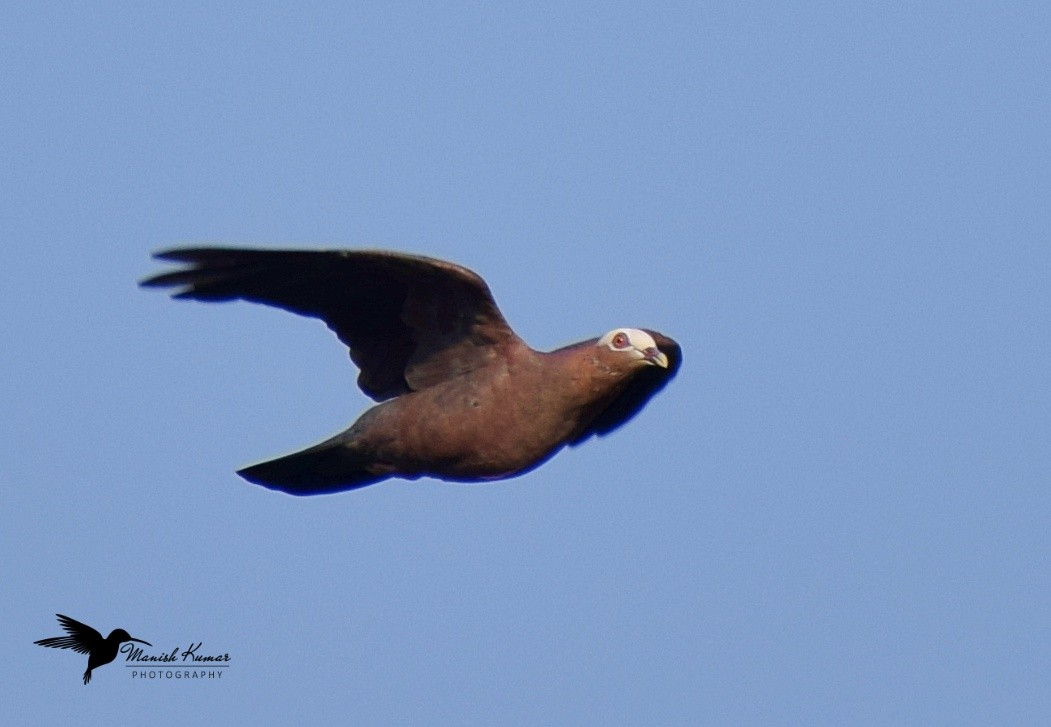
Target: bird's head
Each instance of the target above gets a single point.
(120, 636)
(632, 345)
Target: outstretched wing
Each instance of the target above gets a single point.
(639, 390)
(81, 637)
(410, 321)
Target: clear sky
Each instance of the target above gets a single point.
(838, 513)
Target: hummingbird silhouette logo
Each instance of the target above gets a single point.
(86, 640)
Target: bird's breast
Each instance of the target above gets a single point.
(479, 428)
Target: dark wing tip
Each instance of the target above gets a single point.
(164, 280)
(178, 254)
(202, 263)
(203, 254)
(225, 273)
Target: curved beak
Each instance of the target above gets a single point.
(654, 357)
(131, 638)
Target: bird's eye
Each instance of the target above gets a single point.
(620, 340)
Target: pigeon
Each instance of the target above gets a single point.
(461, 397)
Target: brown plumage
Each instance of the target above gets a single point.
(462, 397)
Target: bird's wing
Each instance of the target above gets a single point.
(82, 638)
(643, 385)
(410, 321)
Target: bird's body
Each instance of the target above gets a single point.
(462, 397)
(459, 435)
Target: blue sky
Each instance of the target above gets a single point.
(838, 513)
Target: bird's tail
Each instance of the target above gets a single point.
(87, 676)
(331, 466)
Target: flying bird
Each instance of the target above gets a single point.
(86, 640)
(462, 397)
